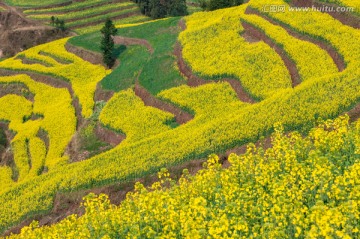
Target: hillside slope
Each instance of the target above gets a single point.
(182, 89)
(18, 33)
(299, 188)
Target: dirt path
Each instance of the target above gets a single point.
(289, 63)
(181, 116)
(337, 58)
(127, 41)
(346, 18)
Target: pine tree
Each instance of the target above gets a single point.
(107, 43)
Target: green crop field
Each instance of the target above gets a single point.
(87, 16)
(269, 101)
(138, 62)
(35, 3)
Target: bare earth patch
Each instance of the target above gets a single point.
(249, 38)
(6, 154)
(18, 33)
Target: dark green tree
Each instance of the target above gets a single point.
(217, 4)
(158, 9)
(107, 43)
(162, 8)
(57, 22)
(203, 4)
(52, 20)
(177, 8)
(62, 25)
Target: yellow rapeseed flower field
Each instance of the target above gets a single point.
(127, 113)
(299, 188)
(58, 121)
(213, 47)
(82, 75)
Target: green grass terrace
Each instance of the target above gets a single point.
(86, 16)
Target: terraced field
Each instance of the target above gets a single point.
(185, 88)
(37, 3)
(86, 16)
